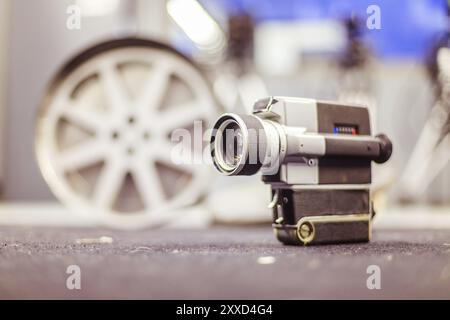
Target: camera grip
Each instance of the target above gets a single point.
(321, 215)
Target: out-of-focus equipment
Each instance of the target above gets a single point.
(355, 69)
(200, 27)
(315, 155)
(103, 139)
(237, 84)
(432, 151)
(431, 155)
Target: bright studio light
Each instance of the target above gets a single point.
(195, 22)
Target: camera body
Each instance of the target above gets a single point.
(317, 158)
(320, 200)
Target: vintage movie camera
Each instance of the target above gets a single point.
(317, 158)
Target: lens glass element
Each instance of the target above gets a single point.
(230, 145)
(233, 145)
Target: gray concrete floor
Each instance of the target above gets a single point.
(221, 262)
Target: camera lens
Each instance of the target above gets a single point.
(232, 144)
(236, 144)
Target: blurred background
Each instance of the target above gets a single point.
(71, 71)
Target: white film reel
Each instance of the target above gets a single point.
(103, 133)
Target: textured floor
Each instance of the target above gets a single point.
(222, 262)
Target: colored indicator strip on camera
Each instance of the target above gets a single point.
(345, 129)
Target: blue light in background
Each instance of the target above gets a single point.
(409, 27)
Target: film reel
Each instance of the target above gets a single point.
(103, 133)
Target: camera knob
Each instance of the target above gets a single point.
(385, 148)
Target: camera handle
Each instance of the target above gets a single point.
(378, 149)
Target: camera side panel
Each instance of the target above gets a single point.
(342, 119)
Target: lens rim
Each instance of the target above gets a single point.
(244, 122)
(219, 145)
(218, 156)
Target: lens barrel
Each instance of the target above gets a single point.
(238, 144)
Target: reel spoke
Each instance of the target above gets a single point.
(154, 88)
(81, 156)
(113, 87)
(183, 162)
(81, 117)
(109, 184)
(181, 116)
(148, 183)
